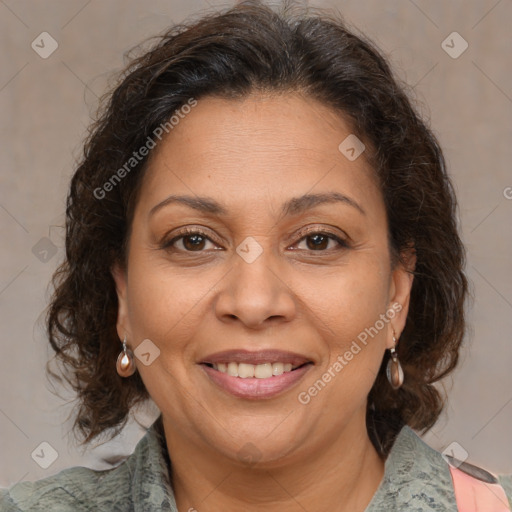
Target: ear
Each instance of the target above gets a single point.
(123, 321)
(400, 293)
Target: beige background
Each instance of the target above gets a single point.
(46, 105)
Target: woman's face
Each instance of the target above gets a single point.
(272, 269)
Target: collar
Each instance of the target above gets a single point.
(151, 488)
(416, 477)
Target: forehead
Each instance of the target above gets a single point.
(257, 149)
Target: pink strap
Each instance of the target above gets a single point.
(474, 495)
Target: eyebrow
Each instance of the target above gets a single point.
(293, 206)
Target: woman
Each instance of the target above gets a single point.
(261, 238)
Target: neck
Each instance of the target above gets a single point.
(338, 475)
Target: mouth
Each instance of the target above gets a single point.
(259, 371)
(255, 375)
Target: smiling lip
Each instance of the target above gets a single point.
(254, 388)
(259, 357)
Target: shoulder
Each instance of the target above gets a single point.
(140, 482)
(418, 478)
(76, 488)
(506, 482)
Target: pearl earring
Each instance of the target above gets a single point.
(125, 361)
(394, 371)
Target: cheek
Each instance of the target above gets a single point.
(352, 296)
(163, 302)
(354, 310)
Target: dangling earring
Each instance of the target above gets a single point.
(394, 371)
(125, 361)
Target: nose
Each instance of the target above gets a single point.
(255, 293)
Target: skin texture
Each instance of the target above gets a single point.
(251, 156)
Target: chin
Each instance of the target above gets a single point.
(259, 450)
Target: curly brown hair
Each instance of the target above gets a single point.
(230, 54)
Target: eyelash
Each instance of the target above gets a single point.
(168, 245)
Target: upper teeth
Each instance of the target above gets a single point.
(260, 371)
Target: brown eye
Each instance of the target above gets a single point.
(194, 242)
(188, 241)
(319, 241)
